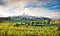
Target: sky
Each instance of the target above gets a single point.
(40, 8)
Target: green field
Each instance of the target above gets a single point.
(9, 29)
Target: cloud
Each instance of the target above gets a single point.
(18, 7)
(5, 11)
(23, 3)
(2, 3)
(40, 12)
(55, 6)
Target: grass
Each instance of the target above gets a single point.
(8, 29)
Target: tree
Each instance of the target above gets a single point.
(17, 25)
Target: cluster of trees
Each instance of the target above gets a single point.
(33, 23)
(38, 23)
(30, 22)
(4, 19)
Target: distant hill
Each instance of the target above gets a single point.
(22, 17)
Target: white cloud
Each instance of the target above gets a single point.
(20, 4)
(23, 3)
(5, 11)
(55, 6)
(39, 12)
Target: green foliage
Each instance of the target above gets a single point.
(17, 25)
